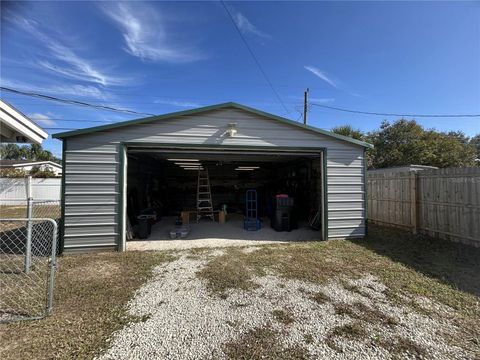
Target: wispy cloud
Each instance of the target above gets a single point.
(247, 27)
(43, 119)
(62, 59)
(313, 99)
(185, 104)
(321, 74)
(321, 100)
(145, 35)
(85, 91)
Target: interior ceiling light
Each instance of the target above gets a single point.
(192, 169)
(183, 160)
(238, 169)
(248, 167)
(188, 163)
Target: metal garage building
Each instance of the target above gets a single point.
(105, 170)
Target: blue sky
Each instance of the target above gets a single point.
(159, 57)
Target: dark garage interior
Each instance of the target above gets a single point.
(163, 188)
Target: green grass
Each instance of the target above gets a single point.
(362, 312)
(40, 211)
(262, 343)
(228, 271)
(91, 294)
(352, 331)
(400, 348)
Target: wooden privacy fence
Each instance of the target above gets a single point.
(443, 203)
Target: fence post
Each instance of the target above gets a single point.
(53, 268)
(28, 245)
(413, 201)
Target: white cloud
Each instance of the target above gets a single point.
(85, 91)
(145, 35)
(247, 27)
(43, 119)
(319, 73)
(313, 99)
(321, 100)
(186, 104)
(70, 64)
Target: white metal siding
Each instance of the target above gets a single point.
(92, 168)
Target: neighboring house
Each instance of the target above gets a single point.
(404, 168)
(114, 170)
(15, 127)
(28, 165)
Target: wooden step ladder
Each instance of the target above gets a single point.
(204, 196)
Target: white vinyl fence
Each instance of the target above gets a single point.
(16, 188)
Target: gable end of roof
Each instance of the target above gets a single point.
(227, 105)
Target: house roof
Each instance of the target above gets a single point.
(18, 128)
(20, 163)
(233, 105)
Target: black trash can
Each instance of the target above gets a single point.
(144, 226)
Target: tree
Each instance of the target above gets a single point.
(33, 152)
(475, 141)
(12, 173)
(348, 130)
(37, 172)
(10, 152)
(407, 142)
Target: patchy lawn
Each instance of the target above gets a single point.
(390, 295)
(51, 211)
(431, 277)
(91, 293)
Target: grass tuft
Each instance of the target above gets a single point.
(262, 343)
(283, 316)
(401, 347)
(352, 331)
(320, 298)
(360, 311)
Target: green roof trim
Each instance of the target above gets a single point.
(67, 134)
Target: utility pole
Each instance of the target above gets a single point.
(305, 107)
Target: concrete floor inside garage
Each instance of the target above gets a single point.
(209, 233)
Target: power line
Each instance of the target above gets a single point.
(254, 57)
(73, 120)
(394, 114)
(59, 128)
(72, 102)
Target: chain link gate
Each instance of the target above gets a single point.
(28, 260)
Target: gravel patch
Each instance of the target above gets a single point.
(183, 320)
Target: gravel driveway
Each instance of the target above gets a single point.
(344, 319)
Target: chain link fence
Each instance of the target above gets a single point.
(28, 250)
(27, 268)
(18, 208)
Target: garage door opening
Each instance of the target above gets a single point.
(162, 192)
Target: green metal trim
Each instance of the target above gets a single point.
(325, 194)
(222, 147)
(204, 109)
(62, 201)
(365, 188)
(120, 206)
